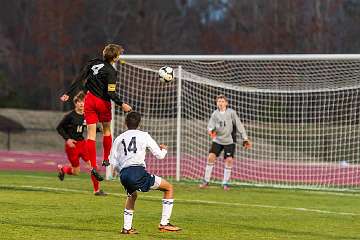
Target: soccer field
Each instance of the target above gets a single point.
(38, 206)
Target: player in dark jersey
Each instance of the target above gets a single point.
(100, 81)
(71, 128)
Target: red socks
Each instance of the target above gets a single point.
(107, 142)
(91, 147)
(67, 170)
(95, 183)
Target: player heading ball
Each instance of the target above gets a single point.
(99, 78)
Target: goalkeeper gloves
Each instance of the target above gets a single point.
(246, 144)
(212, 134)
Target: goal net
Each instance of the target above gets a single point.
(302, 114)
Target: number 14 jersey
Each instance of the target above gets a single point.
(129, 149)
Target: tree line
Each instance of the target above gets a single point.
(43, 43)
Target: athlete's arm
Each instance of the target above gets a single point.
(61, 128)
(158, 152)
(111, 89)
(77, 84)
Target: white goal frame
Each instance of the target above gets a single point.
(282, 57)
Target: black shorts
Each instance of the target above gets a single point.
(136, 178)
(229, 150)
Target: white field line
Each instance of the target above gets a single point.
(314, 191)
(190, 201)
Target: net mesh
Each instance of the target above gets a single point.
(302, 117)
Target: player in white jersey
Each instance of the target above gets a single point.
(222, 128)
(128, 157)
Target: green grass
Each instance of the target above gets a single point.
(38, 206)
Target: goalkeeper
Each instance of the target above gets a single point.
(222, 128)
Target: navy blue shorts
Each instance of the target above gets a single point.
(136, 178)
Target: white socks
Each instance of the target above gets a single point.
(128, 217)
(166, 211)
(165, 217)
(227, 174)
(208, 171)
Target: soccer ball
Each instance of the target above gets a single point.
(166, 74)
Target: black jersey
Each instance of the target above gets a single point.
(100, 79)
(72, 126)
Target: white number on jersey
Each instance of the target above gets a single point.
(96, 68)
(79, 128)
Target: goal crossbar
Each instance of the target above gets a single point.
(301, 112)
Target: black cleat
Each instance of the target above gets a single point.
(130, 231)
(96, 175)
(61, 174)
(105, 163)
(100, 193)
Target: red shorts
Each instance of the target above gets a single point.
(74, 154)
(96, 109)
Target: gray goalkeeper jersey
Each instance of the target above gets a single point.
(226, 124)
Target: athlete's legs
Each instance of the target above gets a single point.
(208, 170)
(106, 128)
(227, 172)
(73, 157)
(76, 170)
(209, 166)
(211, 158)
(91, 117)
(91, 131)
(91, 143)
(89, 165)
(129, 211)
(229, 162)
(91, 148)
(167, 202)
(130, 201)
(167, 188)
(229, 151)
(107, 140)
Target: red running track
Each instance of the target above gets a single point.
(248, 170)
(33, 161)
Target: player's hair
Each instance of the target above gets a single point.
(132, 120)
(111, 51)
(221, 96)
(80, 96)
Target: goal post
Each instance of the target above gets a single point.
(300, 111)
(178, 125)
